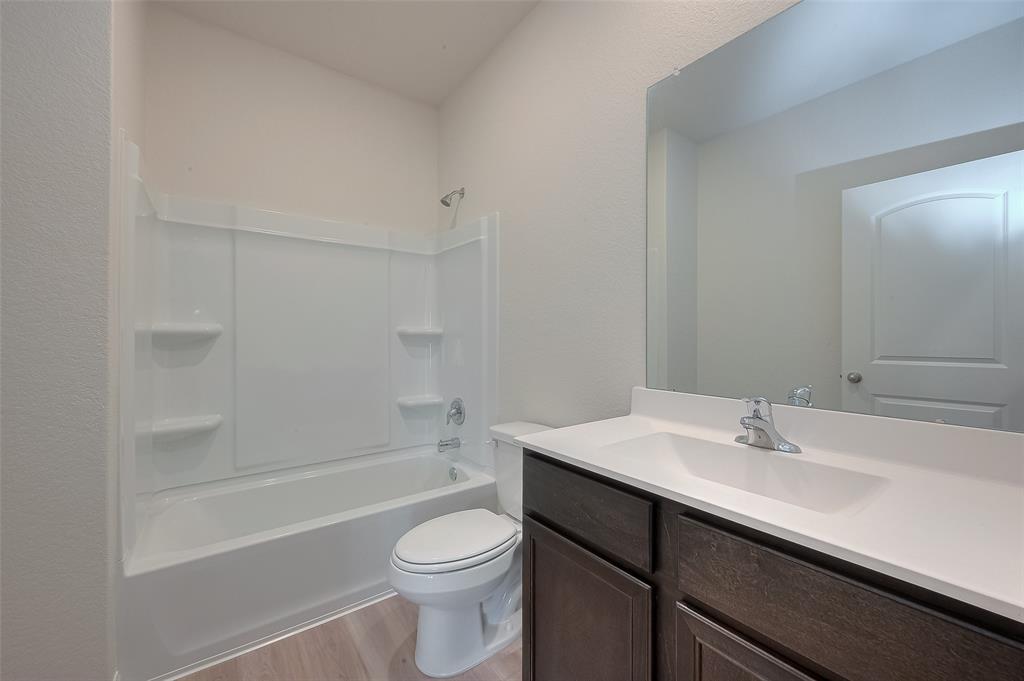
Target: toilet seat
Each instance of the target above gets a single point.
(455, 542)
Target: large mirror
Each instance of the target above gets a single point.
(835, 213)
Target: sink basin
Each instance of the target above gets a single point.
(783, 477)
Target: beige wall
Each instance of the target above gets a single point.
(58, 454)
(550, 131)
(128, 18)
(230, 119)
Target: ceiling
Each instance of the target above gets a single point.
(811, 49)
(422, 49)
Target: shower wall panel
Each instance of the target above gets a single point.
(311, 350)
(267, 341)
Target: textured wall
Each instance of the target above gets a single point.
(57, 450)
(232, 120)
(550, 131)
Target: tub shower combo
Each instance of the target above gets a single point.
(285, 388)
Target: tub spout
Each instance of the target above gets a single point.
(450, 443)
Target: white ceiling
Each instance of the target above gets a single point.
(809, 50)
(421, 49)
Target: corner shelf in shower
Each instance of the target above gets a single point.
(420, 401)
(175, 333)
(175, 428)
(420, 332)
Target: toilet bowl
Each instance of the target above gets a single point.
(464, 571)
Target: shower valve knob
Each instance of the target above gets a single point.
(456, 412)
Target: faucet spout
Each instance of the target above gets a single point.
(449, 443)
(760, 427)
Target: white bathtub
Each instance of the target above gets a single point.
(221, 567)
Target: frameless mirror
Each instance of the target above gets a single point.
(835, 213)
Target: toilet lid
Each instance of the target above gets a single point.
(455, 537)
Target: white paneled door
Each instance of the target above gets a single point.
(933, 295)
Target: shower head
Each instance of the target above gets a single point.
(446, 200)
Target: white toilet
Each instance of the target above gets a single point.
(464, 571)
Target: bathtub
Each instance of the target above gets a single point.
(222, 567)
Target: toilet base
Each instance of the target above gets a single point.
(450, 641)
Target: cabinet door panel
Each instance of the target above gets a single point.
(707, 651)
(583, 618)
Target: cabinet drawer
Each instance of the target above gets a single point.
(606, 518)
(839, 625)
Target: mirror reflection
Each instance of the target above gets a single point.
(835, 213)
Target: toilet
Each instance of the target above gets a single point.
(464, 571)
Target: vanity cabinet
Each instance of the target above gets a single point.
(621, 584)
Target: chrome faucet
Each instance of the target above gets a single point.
(760, 427)
(456, 412)
(449, 443)
(800, 396)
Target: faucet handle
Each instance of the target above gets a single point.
(456, 412)
(800, 396)
(758, 407)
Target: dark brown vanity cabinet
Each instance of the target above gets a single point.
(623, 585)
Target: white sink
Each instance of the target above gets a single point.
(783, 477)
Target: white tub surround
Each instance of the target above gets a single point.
(937, 506)
(221, 567)
(312, 340)
(284, 382)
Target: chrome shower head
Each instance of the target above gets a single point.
(446, 200)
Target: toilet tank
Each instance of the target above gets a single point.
(508, 464)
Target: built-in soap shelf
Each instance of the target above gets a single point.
(165, 430)
(179, 333)
(419, 332)
(420, 401)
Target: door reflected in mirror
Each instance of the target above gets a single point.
(835, 213)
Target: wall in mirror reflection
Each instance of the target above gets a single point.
(835, 200)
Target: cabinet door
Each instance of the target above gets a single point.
(707, 651)
(584, 618)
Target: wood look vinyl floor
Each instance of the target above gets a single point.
(375, 643)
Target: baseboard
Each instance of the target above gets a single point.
(267, 640)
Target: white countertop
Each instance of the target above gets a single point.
(949, 518)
